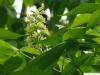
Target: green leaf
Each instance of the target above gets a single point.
(11, 16)
(94, 19)
(3, 16)
(11, 2)
(85, 60)
(34, 71)
(92, 32)
(96, 68)
(71, 47)
(69, 69)
(97, 1)
(6, 50)
(81, 19)
(5, 34)
(1, 2)
(77, 32)
(10, 65)
(62, 62)
(55, 39)
(43, 62)
(50, 57)
(97, 40)
(85, 8)
(30, 50)
(28, 2)
(58, 11)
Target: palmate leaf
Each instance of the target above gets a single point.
(40, 65)
(86, 60)
(75, 65)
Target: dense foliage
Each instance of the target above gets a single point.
(35, 45)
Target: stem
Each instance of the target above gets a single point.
(26, 55)
(63, 64)
(80, 71)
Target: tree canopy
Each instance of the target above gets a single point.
(66, 42)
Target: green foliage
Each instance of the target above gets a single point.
(34, 45)
(8, 35)
(28, 2)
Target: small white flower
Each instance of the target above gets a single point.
(38, 31)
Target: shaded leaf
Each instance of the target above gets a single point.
(6, 50)
(10, 65)
(69, 69)
(96, 68)
(85, 8)
(3, 16)
(43, 62)
(5, 34)
(55, 39)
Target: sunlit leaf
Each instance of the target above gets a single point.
(81, 19)
(71, 33)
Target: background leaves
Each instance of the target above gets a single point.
(70, 50)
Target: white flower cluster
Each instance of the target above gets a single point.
(36, 29)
